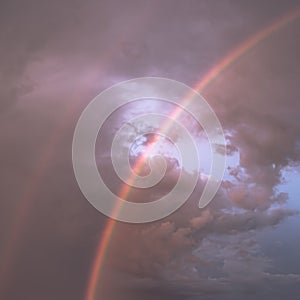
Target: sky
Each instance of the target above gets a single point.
(55, 57)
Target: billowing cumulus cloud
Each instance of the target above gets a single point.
(258, 108)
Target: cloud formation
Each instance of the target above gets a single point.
(55, 57)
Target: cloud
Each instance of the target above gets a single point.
(257, 101)
(56, 57)
(258, 106)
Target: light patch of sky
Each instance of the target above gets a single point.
(291, 186)
(282, 243)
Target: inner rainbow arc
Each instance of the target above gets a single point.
(210, 76)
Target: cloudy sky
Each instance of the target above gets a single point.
(55, 57)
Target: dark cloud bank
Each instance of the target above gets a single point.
(55, 57)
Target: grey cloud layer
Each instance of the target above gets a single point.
(56, 56)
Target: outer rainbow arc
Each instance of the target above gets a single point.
(30, 190)
(39, 171)
(203, 83)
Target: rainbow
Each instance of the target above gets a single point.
(209, 78)
(41, 166)
(30, 191)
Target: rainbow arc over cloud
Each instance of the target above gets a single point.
(208, 79)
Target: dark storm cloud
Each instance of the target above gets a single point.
(167, 249)
(261, 110)
(56, 56)
(26, 29)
